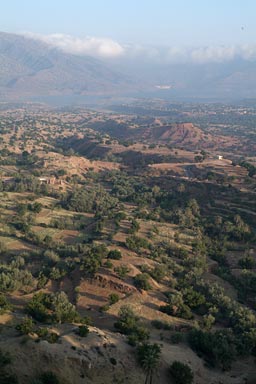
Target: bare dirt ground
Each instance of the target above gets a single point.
(105, 357)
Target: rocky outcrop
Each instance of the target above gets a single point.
(115, 284)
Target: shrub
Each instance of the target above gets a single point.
(27, 326)
(128, 324)
(218, 348)
(113, 361)
(247, 262)
(113, 298)
(86, 320)
(6, 377)
(158, 273)
(4, 304)
(193, 298)
(42, 332)
(53, 338)
(49, 378)
(108, 264)
(83, 331)
(158, 324)
(5, 359)
(182, 311)
(176, 337)
(104, 308)
(122, 271)
(181, 373)
(55, 307)
(141, 281)
(114, 254)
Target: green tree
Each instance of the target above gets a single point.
(63, 310)
(148, 357)
(55, 307)
(128, 323)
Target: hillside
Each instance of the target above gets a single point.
(111, 250)
(187, 135)
(228, 80)
(31, 68)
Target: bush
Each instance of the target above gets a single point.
(177, 338)
(42, 332)
(182, 311)
(27, 326)
(158, 324)
(128, 324)
(122, 271)
(158, 273)
(4, 304)
(181, 373)
(53, 338)
(5, 359)
(247, 262)
(104, 308)
(6, 377)
(138, 334)
(193, 298)
(86, 320)
(141, 281)
(83, 331)
(114, 254)
(48, 378)
(218, 348)
(134, 243)
(113, 298)
(108, 264)
(54, 307)
(113, 361)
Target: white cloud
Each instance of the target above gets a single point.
(111, 49)
(196, 55)
(102, 47)
(220, 54)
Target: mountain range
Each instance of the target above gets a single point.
(30, 68)
(228, 80)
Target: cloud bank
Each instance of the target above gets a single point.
(111, 49)
(94, 46)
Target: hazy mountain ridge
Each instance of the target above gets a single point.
(30, 67)
(234, 79)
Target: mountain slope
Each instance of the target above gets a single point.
(227, 80)
(29, 67)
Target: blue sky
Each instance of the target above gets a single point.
(152, 22)
(152, 30)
